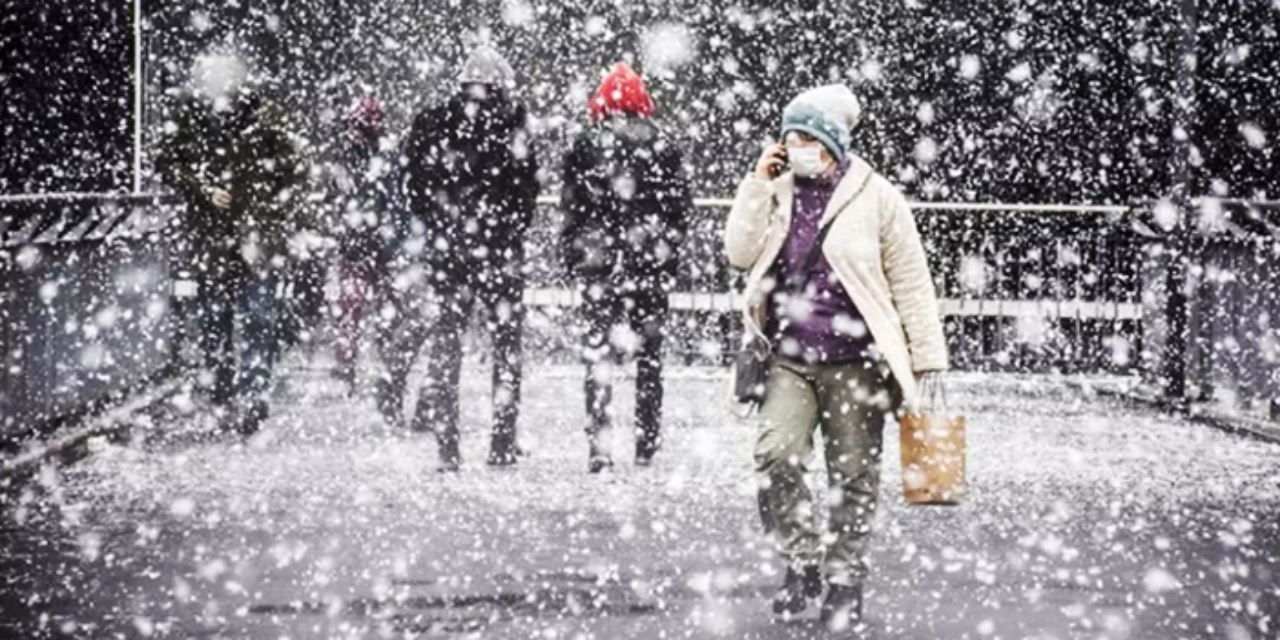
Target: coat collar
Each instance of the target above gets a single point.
(854, 178)
(784, 189)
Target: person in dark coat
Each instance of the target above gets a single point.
(626, 202)
(472, 180)
(227, 152)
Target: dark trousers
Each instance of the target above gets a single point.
(215, 311)
(301, 310)
(623, 319)
(228, 297)
(498, 296)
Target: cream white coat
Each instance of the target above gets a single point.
(874, 250)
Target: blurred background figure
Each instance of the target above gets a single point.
(357, 176)
(472, 183)
(227, 152)
(626, 202)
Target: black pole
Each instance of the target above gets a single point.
(1174, 362)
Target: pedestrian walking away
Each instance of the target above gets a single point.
(361, 217)
(626, 203)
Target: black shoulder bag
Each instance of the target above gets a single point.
(755, 358)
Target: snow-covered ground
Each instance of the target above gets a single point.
(1087, 519)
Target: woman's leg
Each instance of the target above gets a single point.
(854, 399)
(784, 442)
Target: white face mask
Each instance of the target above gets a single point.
(806, 161)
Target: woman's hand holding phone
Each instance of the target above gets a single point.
(772, 162)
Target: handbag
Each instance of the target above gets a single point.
(755, 358)
(933, 451)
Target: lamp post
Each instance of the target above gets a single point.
(1178, 339)
(137, 96)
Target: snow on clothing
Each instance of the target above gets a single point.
(874, 251)
(626, 203)
(821, 323)
(472, 181)
(358, 202)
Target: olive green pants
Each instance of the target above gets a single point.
(849, 402)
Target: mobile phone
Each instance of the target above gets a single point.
(780, 169)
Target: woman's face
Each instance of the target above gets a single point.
(807, 156)
(797, 139)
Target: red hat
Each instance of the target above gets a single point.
(622, 91)
(364, 119)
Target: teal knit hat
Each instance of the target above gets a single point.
(827, 113)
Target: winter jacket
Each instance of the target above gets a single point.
(626, 202)
(471, 177)
(247, 152)
(875, 252)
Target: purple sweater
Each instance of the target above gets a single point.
(822, 324)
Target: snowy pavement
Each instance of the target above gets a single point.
(1087, 519)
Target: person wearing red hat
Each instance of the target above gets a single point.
(359, 216)
(626, 201)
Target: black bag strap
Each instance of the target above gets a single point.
(811, 260)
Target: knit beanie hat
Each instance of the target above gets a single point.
(486, 66)
(828, 113)
(364, 120)
(622, 91)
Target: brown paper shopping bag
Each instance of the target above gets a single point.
(932, 451)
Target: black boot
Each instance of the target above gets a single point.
(389, 403)
(450, 460)
(598, 458)
(797, 589)
(248, 420)
(842, 610)
(502, 452)
(647, 445)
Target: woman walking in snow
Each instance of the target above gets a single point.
(839, 290)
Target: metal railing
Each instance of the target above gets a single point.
(84, 302)
(1212, 307)
(1031, 287)
(1025, 286)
